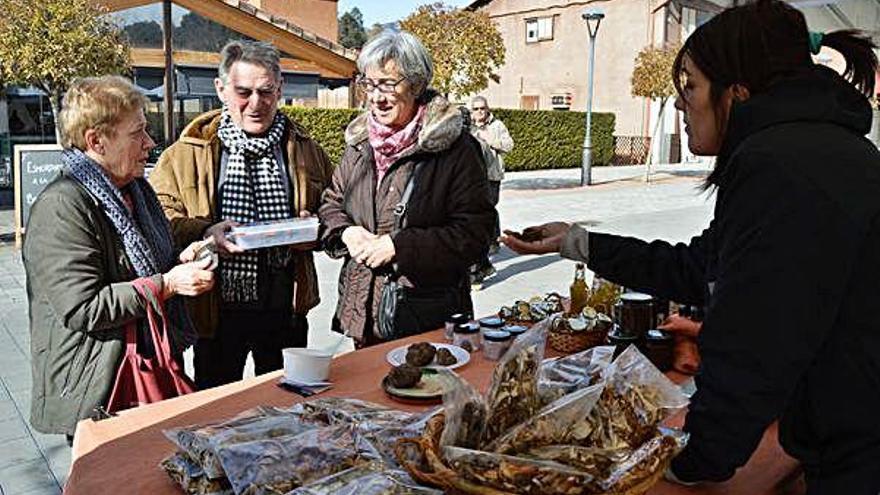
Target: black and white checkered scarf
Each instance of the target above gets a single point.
(253, 191)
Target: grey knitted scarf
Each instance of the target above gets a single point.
(145, 232)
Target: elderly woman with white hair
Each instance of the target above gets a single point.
(98, 252)
(408, 208)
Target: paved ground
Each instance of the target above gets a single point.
(670, 207)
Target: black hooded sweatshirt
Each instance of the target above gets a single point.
(790, 271)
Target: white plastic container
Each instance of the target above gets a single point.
(275, 233)
(306, 366)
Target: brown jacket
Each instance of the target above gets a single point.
(447, 225)
(185, 179)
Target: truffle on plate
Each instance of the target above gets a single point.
(405, 376)
(420, 354)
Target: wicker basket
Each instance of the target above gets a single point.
(569, 342)
(563, 339)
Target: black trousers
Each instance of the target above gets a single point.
(494, 197)
(494, 194)
(220, 360)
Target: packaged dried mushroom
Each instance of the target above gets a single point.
(366, 480)
(278, 465)
(465, 411)
(569, 373)
(595, 461)
(517, 474)
(376, 439)
(550, 425)
(637, 397)
(200, 442)
(190, 476)
(336, 410)
(513, 392)
(617, 470)
(644, 462)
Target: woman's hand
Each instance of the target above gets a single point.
(188, 279)
(540, 239)
(356, 238)
(377, 252)
(217, 232)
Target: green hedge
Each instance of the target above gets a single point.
(543, 138)
(325, 125)
(554, 139)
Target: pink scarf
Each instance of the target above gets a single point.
(389, 144)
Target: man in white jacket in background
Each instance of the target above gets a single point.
(496, 142)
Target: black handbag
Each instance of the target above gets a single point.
(405, 311)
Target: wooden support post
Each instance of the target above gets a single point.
(167, 27)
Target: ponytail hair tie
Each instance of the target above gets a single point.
(815, 42)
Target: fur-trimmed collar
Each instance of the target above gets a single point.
(442, 127)
(203, 129)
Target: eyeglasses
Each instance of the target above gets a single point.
(477, 109)
(263, 93)
(385, 86)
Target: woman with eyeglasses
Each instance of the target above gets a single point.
(788, 268)
(406, 255)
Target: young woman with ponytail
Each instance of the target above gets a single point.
(789, 267)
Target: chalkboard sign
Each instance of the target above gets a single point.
(35, 167)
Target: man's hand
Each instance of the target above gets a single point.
(680, 325)
(188, 279)
(540, 239)
(377, 252)
(218, 233)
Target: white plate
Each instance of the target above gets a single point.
(397, 356)
(291, 381)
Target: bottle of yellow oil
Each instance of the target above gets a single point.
(579, 292)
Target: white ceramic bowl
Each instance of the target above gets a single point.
(306, 365)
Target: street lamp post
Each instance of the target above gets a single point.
(593, 18)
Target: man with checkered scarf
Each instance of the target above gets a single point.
(245, 163)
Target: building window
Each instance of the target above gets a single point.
(539, 29)
(529, 102)
(560, 101)
(673, 23)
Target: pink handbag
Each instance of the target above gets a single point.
(140, 380)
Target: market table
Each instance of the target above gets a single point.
(122, 454)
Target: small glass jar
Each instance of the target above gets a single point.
(635, 313)
(451, 323)
(467, 332)
(495, 344)
(659, 349)
(515, 330)
(490, 323)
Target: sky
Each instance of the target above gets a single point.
(151, 12)
(385, 11)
